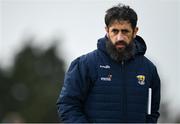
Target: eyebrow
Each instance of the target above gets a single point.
(125, 30)
(122, 30)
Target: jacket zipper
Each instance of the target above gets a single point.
(124, 92)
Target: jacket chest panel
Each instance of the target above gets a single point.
(114, 78)
(115, 75)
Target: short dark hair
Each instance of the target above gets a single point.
(121, 12)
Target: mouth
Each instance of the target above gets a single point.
(120, 45)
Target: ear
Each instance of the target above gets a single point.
(107, 31)
(135, 32)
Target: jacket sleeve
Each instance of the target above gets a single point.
(156, 90)
(71, 99)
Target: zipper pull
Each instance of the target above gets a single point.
(122, 62)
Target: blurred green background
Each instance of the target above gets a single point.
(29, 89)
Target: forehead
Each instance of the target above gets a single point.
(121, 24)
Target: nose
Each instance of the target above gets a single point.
(120, 37)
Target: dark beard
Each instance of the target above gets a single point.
(120, 55)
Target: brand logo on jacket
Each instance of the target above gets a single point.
(141, 79)
(104, 66)
(108, 78)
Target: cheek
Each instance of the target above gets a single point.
(113, 39)
(130, 39)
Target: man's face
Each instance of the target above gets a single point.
(121, 34)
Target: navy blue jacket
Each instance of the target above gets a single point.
(99, 89)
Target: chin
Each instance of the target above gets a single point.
(120, 49)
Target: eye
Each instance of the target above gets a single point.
(115, 31)
(125, 31)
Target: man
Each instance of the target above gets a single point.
(116, 82)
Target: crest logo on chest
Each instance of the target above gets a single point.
(141, 79)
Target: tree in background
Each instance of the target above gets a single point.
(29, 91)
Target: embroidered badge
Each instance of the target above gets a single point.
(141, 79)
